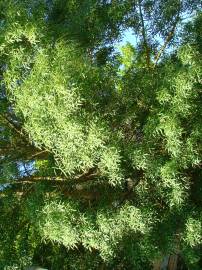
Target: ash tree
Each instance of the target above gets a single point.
(100, 147)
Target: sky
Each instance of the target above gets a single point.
(128, 36)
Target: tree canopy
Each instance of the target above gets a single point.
(100, 145)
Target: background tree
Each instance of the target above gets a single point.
(100, 151)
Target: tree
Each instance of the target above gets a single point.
(100, 151)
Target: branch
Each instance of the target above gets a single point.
(22, 187)
(13, 126)
(87, 176)
(34, 179)
(147, 50)
(41, 154)
(30, 179)
(167, 40)
(74, 194)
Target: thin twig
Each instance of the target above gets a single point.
(38, 154)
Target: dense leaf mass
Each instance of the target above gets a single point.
(100, 144)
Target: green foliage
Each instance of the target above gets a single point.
(193, 232)
(100, 151)
(63, 223)
(127, 55)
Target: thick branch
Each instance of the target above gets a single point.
(147, 50)
(30, 180)
(54, 180)
(167, 40)
(34, 179)
(24, 186)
